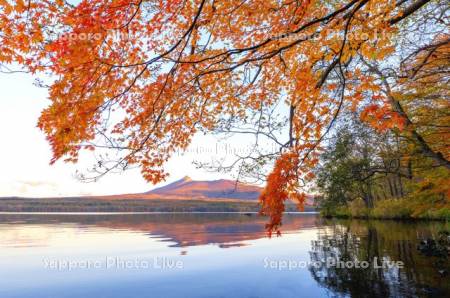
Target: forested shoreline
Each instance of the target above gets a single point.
(135, 205)
(368, 173)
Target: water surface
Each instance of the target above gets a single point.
(213, 255)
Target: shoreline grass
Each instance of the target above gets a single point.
(394, 209)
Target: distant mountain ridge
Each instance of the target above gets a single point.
(216, 189)
(182, 195)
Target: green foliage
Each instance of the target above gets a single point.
(392, 209)
(340, 176)
(406, 208)
(358, 208)
(339, 212)
(365, 173)
(443, 213)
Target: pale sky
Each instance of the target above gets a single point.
(25, 154)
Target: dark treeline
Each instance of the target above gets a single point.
(135, 205)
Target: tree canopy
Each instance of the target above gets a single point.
(144, 76)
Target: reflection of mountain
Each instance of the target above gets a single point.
(224, 230)
(217, 189)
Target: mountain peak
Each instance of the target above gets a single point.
(223, 189)
(186, 179)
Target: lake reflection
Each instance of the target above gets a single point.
(210, 255)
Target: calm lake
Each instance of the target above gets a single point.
(215, 255)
